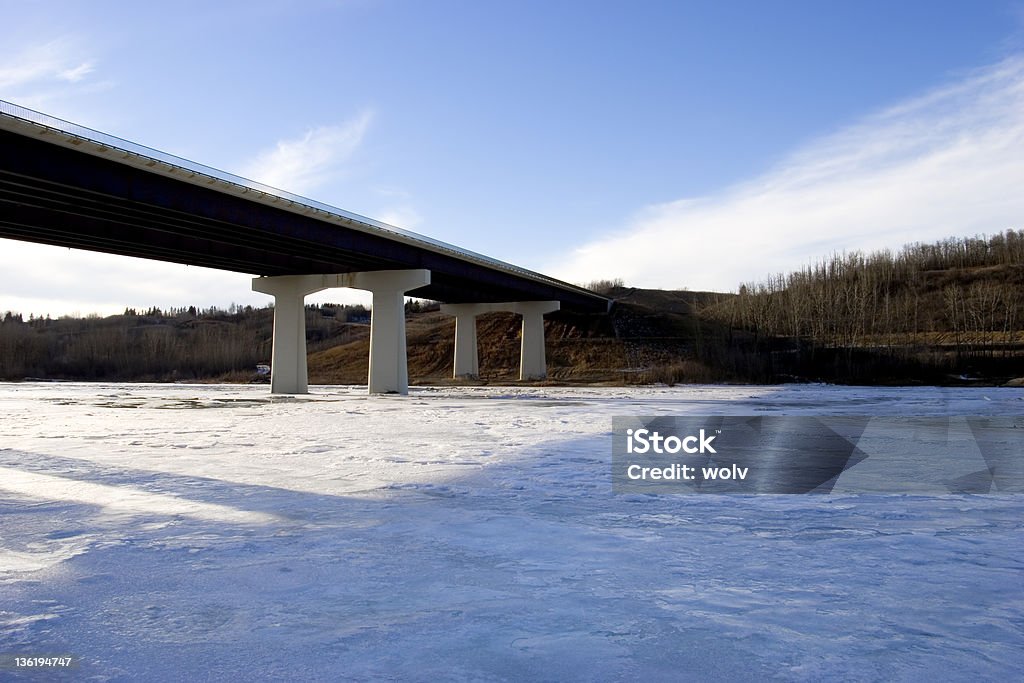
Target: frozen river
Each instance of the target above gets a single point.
(206, 532)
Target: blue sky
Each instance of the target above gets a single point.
(674, 144)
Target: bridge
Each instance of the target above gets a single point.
(71, 186)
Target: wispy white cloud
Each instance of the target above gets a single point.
(304, 164)
(44, 64)
(76, 74)
(56, 76)
(948, 162)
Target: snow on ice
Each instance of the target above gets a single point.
(177, 532)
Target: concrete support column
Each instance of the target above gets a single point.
(288, 362)
(532, 362)
(389, 369)
(389, 364)
(467, 354)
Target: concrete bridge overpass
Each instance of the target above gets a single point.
(71, 186)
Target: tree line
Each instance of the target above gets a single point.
(949, 303)
(158, 345)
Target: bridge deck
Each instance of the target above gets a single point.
(68, 186)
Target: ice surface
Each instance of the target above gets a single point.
(176, 532)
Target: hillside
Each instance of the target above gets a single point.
(941, 313)
(645, 331)
(944, 313)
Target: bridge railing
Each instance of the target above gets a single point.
(365, 223)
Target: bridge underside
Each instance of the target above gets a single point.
(57, 195)
(73, 191)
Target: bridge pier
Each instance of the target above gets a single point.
(389, 369)
(467, 355)
(389, 362)
(532, 362)
(289, 374)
